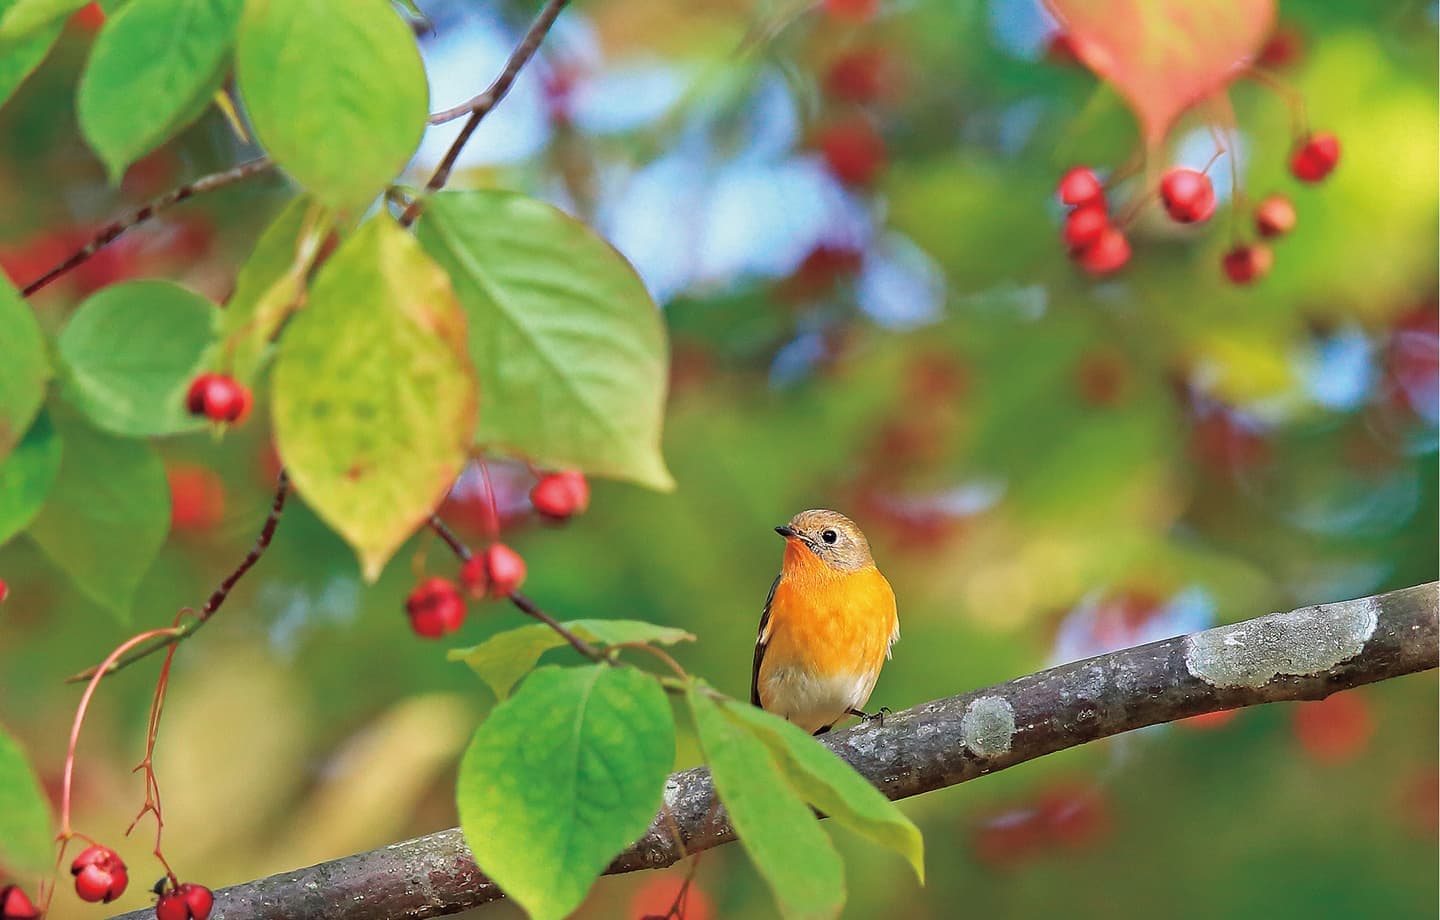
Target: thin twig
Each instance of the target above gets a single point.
(481, 105)
(457, 546)
(218, 596)
(580, 645)
(111, 232)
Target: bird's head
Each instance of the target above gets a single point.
(830, 536)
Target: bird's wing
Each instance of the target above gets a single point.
(762, 641)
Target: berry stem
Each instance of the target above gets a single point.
(1294, 100)
(66, 832)
(529, 607)
(492, 517)
(457, 546)
(152, 782)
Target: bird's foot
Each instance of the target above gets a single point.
(878, 716)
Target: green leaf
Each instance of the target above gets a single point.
(21, 54)
(561, 777)
(778, 831)
(131, 352)
(504, 658)
(107, 514)
(374, 395)
(24, 367)
(336, 92)
(24, 17)
(832, 785)
(153, 70)
(26, 477)
(569, 346)
(25, 843)
(270, 285)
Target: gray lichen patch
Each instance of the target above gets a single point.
(1299, 643)
(988, 726)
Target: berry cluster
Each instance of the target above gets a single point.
(1095, 243)
(436, 606)
(1099, 246)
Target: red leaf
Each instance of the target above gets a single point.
(1164, 56)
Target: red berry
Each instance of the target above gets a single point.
(435, 608)
(557, 496)
(99, 874)
(1061, 50)
(1335, 728)
(1081, 186)
(1188, 195)
(1282, 49)
(496, 572)
(1248, 263)
(858, 76)
(4, 590)
(188, 902)
(1084, 225)
(90, 17)
(853, 150)
(15, 904)
(1315, 157)
(218, 397)
(1275, 216)
(851, 10)
(197, 497)
(1108, 253)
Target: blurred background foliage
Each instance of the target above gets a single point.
(848, 215)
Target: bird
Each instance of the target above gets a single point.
(828, 626)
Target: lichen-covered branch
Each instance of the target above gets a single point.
(1304, 654)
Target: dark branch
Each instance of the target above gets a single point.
(218, 596)
(111, 232)
(1305, 654)
(481, 105)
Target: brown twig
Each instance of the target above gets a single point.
(480, 106)
(113, 231)
(1304, 654)
(218, 596)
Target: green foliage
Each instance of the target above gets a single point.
(22, 52)
(23, 370)
(107, 514)
(25, 17)
(832, 786)
(561, 777)
(130, 353)
(154, 67)
(779, 833)
(24, 814)
(374, 394)
(336, 91)
(27, 475)
(569, 346)
(269, 286)
(504, 658)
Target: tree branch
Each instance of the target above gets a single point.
(113, 231)
(1304, 654)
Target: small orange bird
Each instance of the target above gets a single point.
(828, 625)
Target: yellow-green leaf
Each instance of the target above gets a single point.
(569, 346)
(24, 367)
(831, 785)
(374, 396)
(270, 285)
(504, 658)
(336, 93)
(777, 830)
(561, 777)
(24, 815)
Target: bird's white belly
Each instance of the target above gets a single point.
(812, 701)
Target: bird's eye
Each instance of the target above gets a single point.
(829, 536)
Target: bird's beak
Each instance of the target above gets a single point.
(788, 532)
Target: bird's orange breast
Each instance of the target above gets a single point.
(829, 622)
